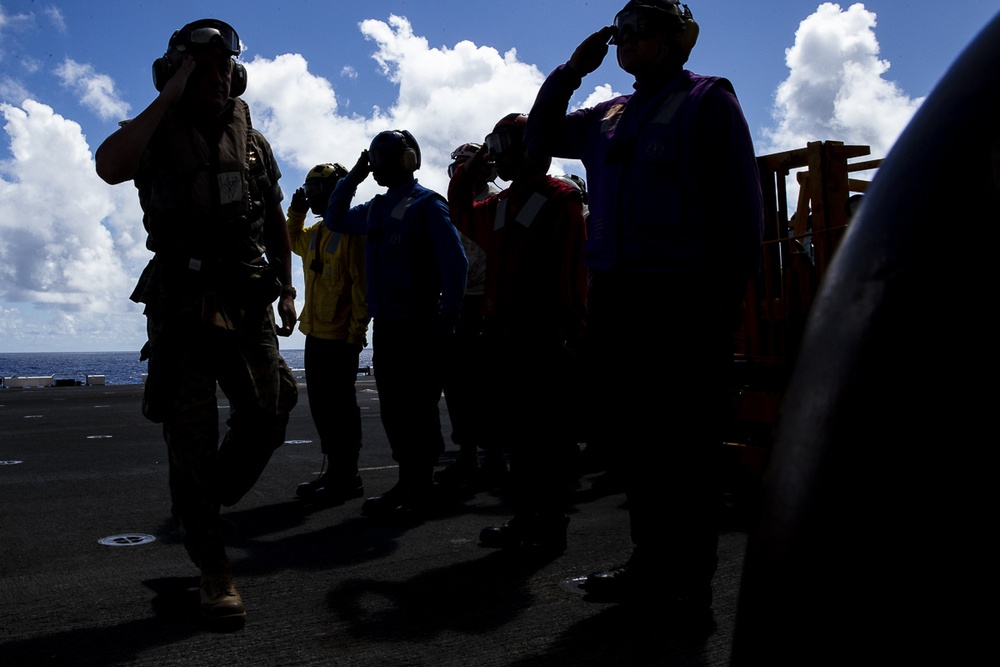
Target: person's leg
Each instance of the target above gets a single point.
(181, 367)
(262, 392)
(346, 442)
(408, 378)
(463, 395)
(319, 384)
(536, 427)
(331, 375)
(191, 432)
(670, 446)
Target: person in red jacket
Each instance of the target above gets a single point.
(534, 313)
(463, 382)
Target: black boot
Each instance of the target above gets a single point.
(410, 498)
(532, 531)
(646, 579)
(331, 489)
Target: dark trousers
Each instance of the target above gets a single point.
(331, 376)
(668, 435)
(187, 360)
(409, 365)
(535, 421)
(465, 379)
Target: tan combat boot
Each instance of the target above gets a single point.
(219, 598)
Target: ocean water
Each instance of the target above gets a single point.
(116, 367)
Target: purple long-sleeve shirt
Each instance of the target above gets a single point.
(671, 174)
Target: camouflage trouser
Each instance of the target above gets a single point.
(186, 360)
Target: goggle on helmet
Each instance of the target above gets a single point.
(643, 18)
(507, 133)
(206, 32)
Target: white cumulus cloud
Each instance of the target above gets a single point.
(97, 91)
(68, 244)
(837, 86)
(446, 97)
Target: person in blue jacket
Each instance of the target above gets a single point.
(673, 237)
(416, 270)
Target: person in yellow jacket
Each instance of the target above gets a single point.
(335, 321)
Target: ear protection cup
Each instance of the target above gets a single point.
(163, 69)
(690, 34)
(238, 85)
(411, 152)
(410, 160)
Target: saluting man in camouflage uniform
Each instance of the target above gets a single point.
(208, 186)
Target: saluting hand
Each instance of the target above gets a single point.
(359, 172)
(590, 54)
(173, 89)
(299, 202)
(478, 166)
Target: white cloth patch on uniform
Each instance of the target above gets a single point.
(501, 217)
(230, 187)
(531, 208)
(400, 210)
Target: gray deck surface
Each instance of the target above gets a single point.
(330, 587)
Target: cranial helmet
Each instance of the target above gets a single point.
(512, 122)
(659, 14)
(508, 132)
(319, 185)
(323, 178)
(332, 171)
(394, 148)
(462, 154)
(195, 36)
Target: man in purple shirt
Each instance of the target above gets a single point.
(673, 237)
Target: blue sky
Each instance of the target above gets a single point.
(326, 76)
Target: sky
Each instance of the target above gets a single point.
(325, 76)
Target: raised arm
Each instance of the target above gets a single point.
(547, 132)
(117, 158)
(462, 191)
(340, 217)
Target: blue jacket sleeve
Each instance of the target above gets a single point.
(339, 216)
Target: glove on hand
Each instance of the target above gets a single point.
(299, 202)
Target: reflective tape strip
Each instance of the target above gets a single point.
(401, 207)
(669, 107)
(531, 208)
(331, 247)
(501, 219)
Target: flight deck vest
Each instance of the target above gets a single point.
(203, 200)
(203, 205)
